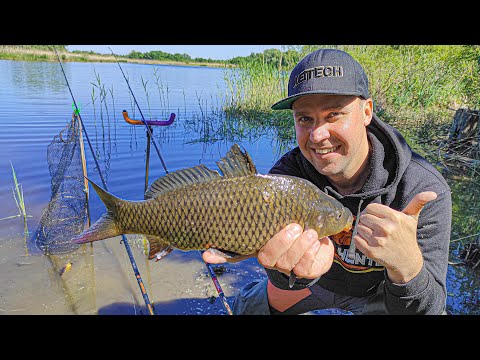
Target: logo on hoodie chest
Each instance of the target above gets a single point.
(361, 263)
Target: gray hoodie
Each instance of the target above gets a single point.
(397, 175)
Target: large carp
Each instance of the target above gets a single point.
(236, 214)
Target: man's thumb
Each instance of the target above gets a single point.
(418, 202)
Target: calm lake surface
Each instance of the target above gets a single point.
(36, 105)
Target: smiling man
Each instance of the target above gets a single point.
(329, 134)
(395, 259)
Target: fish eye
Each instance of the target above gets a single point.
(339, 215)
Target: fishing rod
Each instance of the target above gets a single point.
(124, 238)
(221, 295)
(149, 133)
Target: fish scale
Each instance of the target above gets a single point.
(198, 209)
(223, 218)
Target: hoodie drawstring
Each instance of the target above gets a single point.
(351, 249)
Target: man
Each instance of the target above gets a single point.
(397, 261)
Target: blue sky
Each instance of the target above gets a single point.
(216, 52)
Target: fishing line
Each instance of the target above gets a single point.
(124, 238)
(208, 265)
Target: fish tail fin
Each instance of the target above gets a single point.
(109, 200)
(105, 227)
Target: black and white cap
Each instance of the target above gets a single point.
(325, 71)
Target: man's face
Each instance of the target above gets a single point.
(331, 133)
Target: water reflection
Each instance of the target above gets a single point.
(463, 282)
(202, 129)
(463, 286)
(223, 126)
(43, 77)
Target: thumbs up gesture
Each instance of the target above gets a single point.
(390, 237)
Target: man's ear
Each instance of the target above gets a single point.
(368, 111)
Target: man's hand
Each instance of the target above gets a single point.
(390, 237)
(216, 258)
(291, 249)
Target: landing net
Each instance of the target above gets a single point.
(66, 213)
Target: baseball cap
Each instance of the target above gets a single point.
(325, 71)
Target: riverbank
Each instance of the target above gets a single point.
(12, 52)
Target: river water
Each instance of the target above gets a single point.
(36, 105)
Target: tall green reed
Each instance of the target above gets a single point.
(17, 191)
(104, 114)
(402, 77)
(163, 92)
(147, 95)
(114, 113)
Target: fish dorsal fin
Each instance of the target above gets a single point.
(194, 175)
(236, 163)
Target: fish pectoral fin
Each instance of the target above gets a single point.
(158, 248)
(224, 253)
(229, 256)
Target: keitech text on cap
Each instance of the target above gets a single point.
(325, 71)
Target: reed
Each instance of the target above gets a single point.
(43, 53)
(99, 87)
(104, 114)
(163, 91)
(17, 191)
(147, 95)
(114, 112)
(402, 77)
(160, 88)
(428, 136)
(94, 98)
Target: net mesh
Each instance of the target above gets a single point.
(66, 213)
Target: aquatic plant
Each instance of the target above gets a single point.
(19, 201)
(147, 96)
(162, 91)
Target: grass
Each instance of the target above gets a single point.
(19, 201)
(44, 53)
(427, 136)
(403, 79)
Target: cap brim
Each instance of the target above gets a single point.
(286, 103)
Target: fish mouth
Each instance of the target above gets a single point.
(349, 224)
